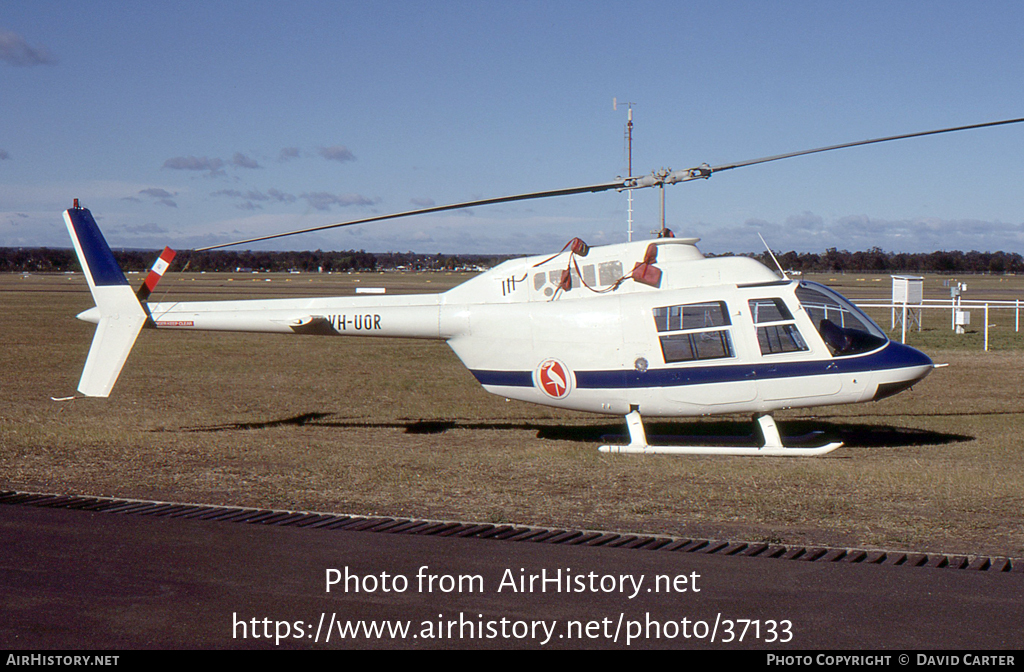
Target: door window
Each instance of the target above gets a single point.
(694, 331)
(776, 330)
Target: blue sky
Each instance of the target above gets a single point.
(192, 123)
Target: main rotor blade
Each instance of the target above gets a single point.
(777, 157)
(422, 211)
(659, 178)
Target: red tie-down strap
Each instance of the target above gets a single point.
(576, 247)
(645, 272)
(565, 283)
(579, 247)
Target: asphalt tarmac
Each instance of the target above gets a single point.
(98, 581)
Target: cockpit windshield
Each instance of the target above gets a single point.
(845, 329)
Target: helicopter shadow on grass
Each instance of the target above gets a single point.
(797, 433)
(707, 432)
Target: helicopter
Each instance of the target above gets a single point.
(647, 328)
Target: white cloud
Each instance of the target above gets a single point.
(162, 195)
(254, 195)
(281, 196)
(14, 50)
(808, 232)
(213, 165)
(322, 200)
(156, 192)
(242, 161)
(337, 153)
(145, 229)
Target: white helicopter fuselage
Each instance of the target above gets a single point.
(642, 327)
(717, 335)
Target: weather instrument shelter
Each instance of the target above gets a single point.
(907, 298)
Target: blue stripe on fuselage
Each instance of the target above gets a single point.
(891, 356)
(102, 265)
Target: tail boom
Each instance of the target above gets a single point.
(407, 316)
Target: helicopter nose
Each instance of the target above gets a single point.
(906, 367)
(910, 357)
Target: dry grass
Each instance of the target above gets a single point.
(400, 428)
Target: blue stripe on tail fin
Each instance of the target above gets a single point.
(102, 267)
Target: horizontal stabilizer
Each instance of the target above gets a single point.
(121, 314)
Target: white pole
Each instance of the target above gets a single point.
(903, 331)
(1017, 310)
(986, 327)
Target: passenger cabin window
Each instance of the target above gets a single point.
(609, 272)
(776, 331)
(702, 331)
(845, 328)
(604, 274)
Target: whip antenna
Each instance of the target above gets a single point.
(772, 255)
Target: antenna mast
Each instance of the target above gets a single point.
(629, 168)
(629, 194)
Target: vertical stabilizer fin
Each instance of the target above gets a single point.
(121, 314)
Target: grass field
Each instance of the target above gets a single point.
(400, 428)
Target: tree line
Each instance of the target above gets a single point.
(58, 260)
(875, 260)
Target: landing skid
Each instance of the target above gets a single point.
(772, 443)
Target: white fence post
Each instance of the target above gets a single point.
(986, 327)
